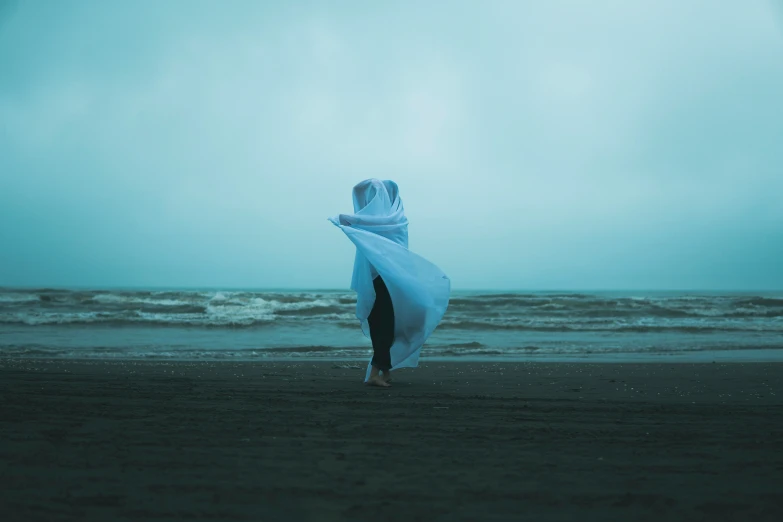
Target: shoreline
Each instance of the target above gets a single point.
(765, 355)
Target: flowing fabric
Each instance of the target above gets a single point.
(419, 290)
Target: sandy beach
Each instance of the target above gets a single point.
(125, 440)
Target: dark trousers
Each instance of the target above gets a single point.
(381, 322)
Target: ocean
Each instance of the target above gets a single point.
(320, 324)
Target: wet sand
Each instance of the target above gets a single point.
(114, 440)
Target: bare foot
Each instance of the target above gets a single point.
(387, 376)
(377, 380)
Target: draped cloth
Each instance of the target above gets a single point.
(419, 290)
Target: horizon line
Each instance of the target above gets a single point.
(347, 289)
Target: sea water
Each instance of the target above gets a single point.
(320, 324)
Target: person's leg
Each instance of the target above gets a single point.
(376, 379)
(381, 322)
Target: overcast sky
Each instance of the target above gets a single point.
(537, 144)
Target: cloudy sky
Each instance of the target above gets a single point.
(537, 145)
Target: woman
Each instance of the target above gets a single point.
(401, 297)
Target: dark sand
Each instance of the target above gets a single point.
(451, 441)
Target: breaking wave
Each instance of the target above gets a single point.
(534, 312)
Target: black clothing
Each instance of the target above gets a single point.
(381, 322)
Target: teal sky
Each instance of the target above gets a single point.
(537, 144)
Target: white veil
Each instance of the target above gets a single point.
(419, 290)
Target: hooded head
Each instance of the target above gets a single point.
(376, 197)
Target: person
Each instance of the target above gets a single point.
(401, 297)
